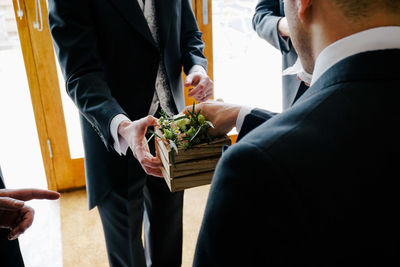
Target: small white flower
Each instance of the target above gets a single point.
(165, 123)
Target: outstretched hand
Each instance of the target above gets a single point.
(134, 132)
(14, 214)
(222, 115)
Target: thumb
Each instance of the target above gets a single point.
(188, 80)
(146, 122)
(150, 121)
(7, 203)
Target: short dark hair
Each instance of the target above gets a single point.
(361, 8)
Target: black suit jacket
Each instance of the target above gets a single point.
(265, 23)
(316, 185)
(110, 61)
(10, 254)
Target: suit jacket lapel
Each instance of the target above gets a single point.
(132, 12)
(291, 96)
(163, 12)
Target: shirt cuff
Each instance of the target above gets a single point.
(120, 144)
(197, 68)
(297, 69)
(244, 111)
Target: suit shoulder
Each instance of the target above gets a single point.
(305, 118)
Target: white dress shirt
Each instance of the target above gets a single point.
(120, 144)
(379, 38)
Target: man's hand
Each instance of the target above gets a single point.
(134, 133)
(203, 86)
(222, 115)
(283, 27)
(14, 214)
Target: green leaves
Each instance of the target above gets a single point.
(184, 131)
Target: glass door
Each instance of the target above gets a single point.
(62, 171)
(247, 69)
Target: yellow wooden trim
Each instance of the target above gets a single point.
(37, 48)
(207, 39)
(33, 82)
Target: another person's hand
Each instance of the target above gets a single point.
(222, 115)
(203, 86)
(283, 27)
(14, 214)
(134, 132)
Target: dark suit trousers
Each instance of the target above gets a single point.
(10, 254)
(148, 200)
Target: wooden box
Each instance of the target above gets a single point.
(193, 167)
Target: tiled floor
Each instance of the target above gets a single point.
(66, 234)
(82, 236)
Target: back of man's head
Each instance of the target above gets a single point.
(357, 9)
(315, 24)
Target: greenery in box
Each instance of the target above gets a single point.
(184, 131)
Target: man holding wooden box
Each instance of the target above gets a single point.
(122, 62)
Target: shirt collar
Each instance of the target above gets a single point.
(369, 40)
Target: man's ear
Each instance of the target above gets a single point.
(304, 9)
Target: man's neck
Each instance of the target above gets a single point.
(330, 31)
(368, 40)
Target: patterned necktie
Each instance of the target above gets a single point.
(163, 94)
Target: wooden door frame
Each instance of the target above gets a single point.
(206, 29)
(62, 172)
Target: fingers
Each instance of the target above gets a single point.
(154, 172)
(142, 125)
(202, 94)
(203, 91)
(7, 203)
(203, 86)
(32, 193)
(23, 223)
(193, 79)
(150, 164)
(149, 121)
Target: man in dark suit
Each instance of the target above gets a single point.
(15, 218)
(122, 61)
(316, 185)
(270, 23)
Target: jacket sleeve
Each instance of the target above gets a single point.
(192, 45)
(265, 23)
(254, 119)
(1, 180)
(75, 44)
